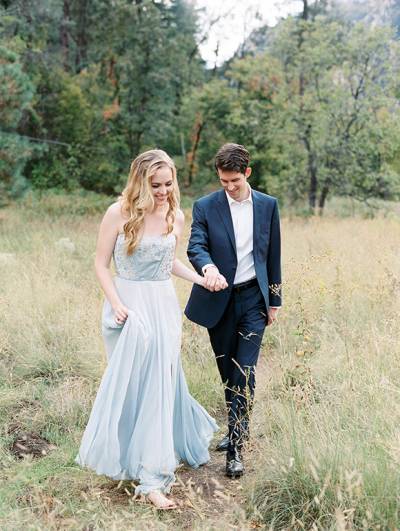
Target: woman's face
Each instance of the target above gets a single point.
(162, 185)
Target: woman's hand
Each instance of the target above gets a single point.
(120, 313)
(219, 285)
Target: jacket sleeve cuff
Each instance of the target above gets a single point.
(275, 295)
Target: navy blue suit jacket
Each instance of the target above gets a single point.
(212, 241)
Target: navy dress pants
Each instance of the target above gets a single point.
(236, 341)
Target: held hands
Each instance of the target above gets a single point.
(120, 313)
(213, 280)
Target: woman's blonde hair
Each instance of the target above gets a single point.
(137, 198)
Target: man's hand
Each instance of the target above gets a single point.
(213, 280)
(272, 315)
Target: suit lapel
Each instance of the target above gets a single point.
(257, 219)
(225, 214)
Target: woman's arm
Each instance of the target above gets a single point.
(108, 233)
(197, 251)
(179, 269)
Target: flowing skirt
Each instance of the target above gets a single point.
(144, 420)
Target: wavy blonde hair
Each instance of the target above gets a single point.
(137, 197)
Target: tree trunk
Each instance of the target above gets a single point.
(322, 200)
(138, 4)
(192, 155)
(81, 36)
(304, 16)
(305, 13)
(183, 150)
(215, 69)
(312, 193)
(145, 97)
(312, 170)
(64, 34)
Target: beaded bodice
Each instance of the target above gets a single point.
(151, 260)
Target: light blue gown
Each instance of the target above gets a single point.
(144, 421)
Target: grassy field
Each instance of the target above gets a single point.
(325, 451)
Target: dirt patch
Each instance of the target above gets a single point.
(28, 444)
(207, 494)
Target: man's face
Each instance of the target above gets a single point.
(235, 183)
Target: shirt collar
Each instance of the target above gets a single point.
(232, 201)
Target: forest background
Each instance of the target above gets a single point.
(86, 85)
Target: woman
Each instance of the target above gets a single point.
(144, 420)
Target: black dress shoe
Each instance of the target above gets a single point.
(223, 444)
(234, 464)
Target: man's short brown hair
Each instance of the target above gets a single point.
(232, 157)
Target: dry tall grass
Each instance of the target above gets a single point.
(326, 441)
(330, 413)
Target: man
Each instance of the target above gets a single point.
(235, 244)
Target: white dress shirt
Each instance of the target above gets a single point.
(242, 219)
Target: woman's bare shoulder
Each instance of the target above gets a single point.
(180, 216)
(179, 222)
(113, 218)
(115, 212)
(115, 209)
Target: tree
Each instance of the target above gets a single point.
(16, 93)
(111, 81)
(205, 116)
(328, 115)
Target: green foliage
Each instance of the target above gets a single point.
(16, 92)
(336, 112)
(72, 127)
(110, 83)
(14, 153)
(314, 99)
